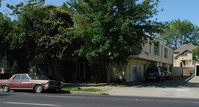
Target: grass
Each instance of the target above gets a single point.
(83, 89)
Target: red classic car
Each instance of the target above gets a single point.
(29, 82)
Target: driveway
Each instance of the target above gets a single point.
(169, 88)
(173, 83)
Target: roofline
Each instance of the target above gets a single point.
(182, 52)
(182, 45)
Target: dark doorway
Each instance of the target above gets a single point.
(82, 70)
(197, 70)
(68, 71)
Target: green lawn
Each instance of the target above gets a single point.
(83, 89)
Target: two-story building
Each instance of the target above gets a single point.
(183, 57)
(152, 54)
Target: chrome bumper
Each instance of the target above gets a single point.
(52, 86)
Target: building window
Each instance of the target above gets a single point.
(166, 53)
(186, 62)
(156, 49)
(149, 48)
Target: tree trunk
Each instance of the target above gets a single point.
(52, 68)
(107, 67)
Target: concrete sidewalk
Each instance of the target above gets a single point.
(188, 90)
(182, 92)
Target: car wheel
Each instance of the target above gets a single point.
(6, 88)
(38, 89)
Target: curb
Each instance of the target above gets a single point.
(187, 80)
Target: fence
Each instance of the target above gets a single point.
(182, 71)
(176, 71)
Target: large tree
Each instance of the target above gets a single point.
(41, 31)
(113, 29)
(178, 33)
(6, 27)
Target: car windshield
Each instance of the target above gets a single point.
(36, 77)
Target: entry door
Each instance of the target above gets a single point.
(197, 70)
(82, 69)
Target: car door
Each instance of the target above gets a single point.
(25, 82)
(15, 82)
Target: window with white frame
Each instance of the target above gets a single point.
(166, 53)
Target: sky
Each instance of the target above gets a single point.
(173, 9)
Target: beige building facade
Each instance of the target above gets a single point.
(183, 56)
(154, 54)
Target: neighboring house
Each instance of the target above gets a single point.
(183, 56)
(154, 54)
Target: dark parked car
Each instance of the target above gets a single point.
(167, 73)
(154, 73)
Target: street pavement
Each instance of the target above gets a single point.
(29, 99)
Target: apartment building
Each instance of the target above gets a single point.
(154, 54)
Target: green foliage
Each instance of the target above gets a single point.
(196, 52)
(40, 31)
(113, 29)
(178, 33)
(5, 31)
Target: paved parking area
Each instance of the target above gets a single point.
(174, 82)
